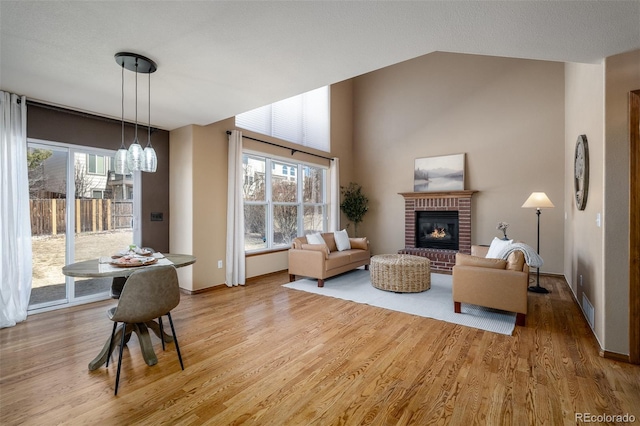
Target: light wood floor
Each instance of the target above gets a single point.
(263, 354)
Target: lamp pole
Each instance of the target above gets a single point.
(538, 201)
(536, 288)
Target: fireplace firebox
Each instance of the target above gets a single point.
(437, 229)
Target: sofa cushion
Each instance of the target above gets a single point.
(496, 247)
(342, 240)
(515, 261)
(337, 259)
(483, 262)
(357, 255)
(317, 247)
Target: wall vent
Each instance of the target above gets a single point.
(588, 310)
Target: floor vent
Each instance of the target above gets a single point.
(588, 310)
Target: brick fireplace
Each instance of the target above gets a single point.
(442, 259)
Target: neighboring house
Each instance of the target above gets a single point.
(94, 177)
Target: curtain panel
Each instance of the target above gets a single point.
(334, 204)
(235, 258)
(15, 224)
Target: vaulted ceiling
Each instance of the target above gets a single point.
(219, 58)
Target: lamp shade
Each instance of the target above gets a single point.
(149, 159)
(134, 156)
(121, 161)
(538, 200)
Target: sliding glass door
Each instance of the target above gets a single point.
(48, 204)
(80, 210)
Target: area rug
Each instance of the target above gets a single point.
(434, 303)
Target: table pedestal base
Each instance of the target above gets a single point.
(142, 330)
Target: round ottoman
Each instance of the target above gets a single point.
(401, 273)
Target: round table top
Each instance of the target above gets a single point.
(399, 259)
(91, 268)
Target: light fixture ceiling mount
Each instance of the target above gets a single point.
(136, 63)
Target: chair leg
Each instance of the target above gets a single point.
(161, 331)
(113, 334)
(120, 360)
(175, 339)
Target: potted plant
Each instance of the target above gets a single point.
(354, 204)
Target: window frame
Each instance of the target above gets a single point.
(95, 158)
(269, 203)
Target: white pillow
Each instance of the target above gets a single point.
(496, 247)
(316, 238)
(342, 240)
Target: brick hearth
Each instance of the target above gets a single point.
(460, 201)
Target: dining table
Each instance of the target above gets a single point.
(104, 267)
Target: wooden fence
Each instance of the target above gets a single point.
(48, 216)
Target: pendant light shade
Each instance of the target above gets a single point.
(121, 167)
(135, 158)
(149, 159)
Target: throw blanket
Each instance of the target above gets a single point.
(531, 258)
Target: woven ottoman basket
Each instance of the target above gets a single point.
(401, 273)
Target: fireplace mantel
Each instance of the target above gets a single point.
(442, 260)
(443, 194)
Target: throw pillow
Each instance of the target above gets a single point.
(359, 243)
(316, 238)
(342, 240)
(496, 247)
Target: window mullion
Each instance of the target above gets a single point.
(300, 199)
(269, 199)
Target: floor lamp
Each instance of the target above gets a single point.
(538, 200)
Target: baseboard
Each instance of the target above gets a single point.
(614, 356)
(203, 290)
(259, 277)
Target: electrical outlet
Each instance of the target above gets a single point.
(580, 280)
(219, 264)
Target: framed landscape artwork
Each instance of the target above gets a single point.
(443, 173)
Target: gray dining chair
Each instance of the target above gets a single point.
(148, 294)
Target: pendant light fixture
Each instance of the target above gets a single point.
(135, 155)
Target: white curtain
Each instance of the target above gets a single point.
(334, 203)
(235, 267)
(15, 224)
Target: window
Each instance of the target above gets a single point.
(95, 164)
(278, 207)
(302, 119)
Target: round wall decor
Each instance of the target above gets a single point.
(581, 172)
